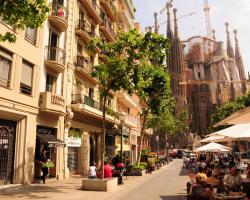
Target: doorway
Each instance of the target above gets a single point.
(7, 150)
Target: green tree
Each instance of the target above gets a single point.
(135, 63)
(227, 109)
(21, 14)
(114, 73)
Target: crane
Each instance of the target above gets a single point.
(183, 16)
(168, 2)
(207, 17)
(200, 82)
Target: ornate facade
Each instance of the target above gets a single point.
(203, 74)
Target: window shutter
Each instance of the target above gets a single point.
(27, 74)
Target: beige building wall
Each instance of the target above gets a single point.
(20, 108)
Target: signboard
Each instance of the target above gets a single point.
(74, 138)
(74, 141)
(46, 130)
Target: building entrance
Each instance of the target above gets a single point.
(7, 150)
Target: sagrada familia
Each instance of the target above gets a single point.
(203, 73)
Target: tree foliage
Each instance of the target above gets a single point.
(229, 108)
(136, 64)
(21, 14)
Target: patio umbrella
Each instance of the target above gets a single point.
(215, 138)
(237, 131)
(213, 147)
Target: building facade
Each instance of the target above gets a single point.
(204, 75)
(49, 101)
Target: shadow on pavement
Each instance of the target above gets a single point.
(174, 197)
(183, 172)
(30, 191)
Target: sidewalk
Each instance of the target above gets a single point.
(69, 189)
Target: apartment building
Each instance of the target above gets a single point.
(48, 99)
(32, 108)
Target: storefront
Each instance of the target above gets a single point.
(74, 144)
(46, 139)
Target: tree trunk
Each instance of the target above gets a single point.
(142, 137)
(103, 135)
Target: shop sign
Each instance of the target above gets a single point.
(46, 130)
(74, 141)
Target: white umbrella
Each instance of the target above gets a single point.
(215, 138)
(213, 147)
(237, 131)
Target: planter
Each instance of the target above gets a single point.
(139, 172)
(96, 184)
(158, 166)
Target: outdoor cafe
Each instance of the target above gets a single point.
(218, 170)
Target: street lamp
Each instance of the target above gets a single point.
(157, 142)
(166, 147)
(122, 119)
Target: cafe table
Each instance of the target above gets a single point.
(231, 196)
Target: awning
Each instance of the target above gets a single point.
(238, 131)
(213, 147)
(51, 140)
(215, 138)
(240, 117)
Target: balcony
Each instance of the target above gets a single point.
(131, 121)
(85, 31)
(127, 100)
(52, 103)
(83, 99)
(55, 59)
(93, 9)
(83, 66)
(84, 104)
(58, 17)
(109, 8)
(107, 29)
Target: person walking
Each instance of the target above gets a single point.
(45, 169)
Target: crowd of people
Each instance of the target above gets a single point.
(215, 174)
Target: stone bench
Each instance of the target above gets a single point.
(107, 184)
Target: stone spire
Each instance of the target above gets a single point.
(169, 22)
(176, 28)
(170, 36)
(239, 62)
(214, 37)
(156, 23)
(230, 51)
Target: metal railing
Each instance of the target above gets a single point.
(80, 98)
(55, 54)
(108, 24)
(25, 89)
(5, 83)
(96, 7)
(84, 26)
(59, 11)
(83, 63)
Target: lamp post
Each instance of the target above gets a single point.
(122, 119)
(166, 146)
(157, 142)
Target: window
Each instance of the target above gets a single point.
(50, 83)
(109, 102)
(5, 68)
(91, 93)
(26, 78)
(92, 60)
(30, 35)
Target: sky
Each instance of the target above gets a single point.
(235, 12)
